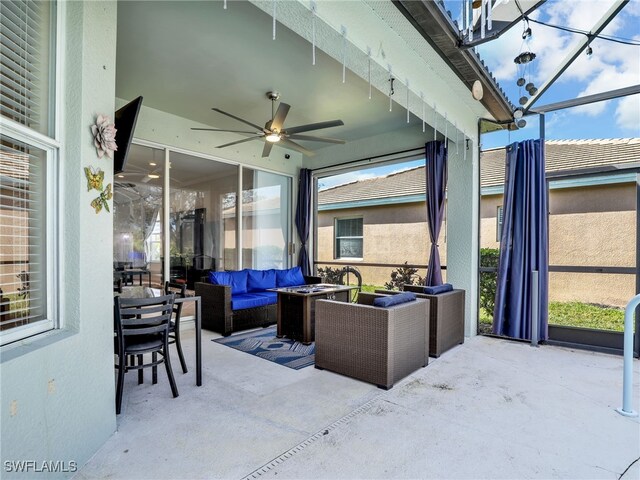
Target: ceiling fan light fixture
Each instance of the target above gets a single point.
(272, 137)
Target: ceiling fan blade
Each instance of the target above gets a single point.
(237, 142)
(317, 139)
(221, 130)
(237, 118)
(278, 118)
(266, 151)
(313, 126)
(297, 147)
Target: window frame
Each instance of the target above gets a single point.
(51, 145)
(51, 148)
(335, 237)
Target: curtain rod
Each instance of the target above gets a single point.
(369, 158)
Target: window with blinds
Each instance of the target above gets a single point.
(26, 61)
(499, 214)
(348, 238)
(27, 157)
(23, 290)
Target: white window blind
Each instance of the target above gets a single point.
(26, 50)
(22, 234)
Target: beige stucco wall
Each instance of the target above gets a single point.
(588, 226)
(391, 234)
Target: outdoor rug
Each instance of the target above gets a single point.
(263, 343)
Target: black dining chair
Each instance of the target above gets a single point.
(142, 326)
(180, 291)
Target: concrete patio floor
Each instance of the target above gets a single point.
(486, 409)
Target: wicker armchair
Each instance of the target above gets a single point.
(446, 317)
(373, 344)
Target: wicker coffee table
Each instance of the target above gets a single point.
(296, 308)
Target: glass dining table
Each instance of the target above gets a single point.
(148, 292)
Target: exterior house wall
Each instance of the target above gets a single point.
(392, 234)
(58, 388)
(588, 226)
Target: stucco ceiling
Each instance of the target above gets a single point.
(187, 57)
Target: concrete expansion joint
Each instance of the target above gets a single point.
(316, 436)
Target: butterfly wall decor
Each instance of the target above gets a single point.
(103, 200)
(95, 177)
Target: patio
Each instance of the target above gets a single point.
(487, 409)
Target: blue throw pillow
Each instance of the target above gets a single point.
(445, 287)
(394, 299)
(236, 280)
(260, 280)
(289, 278)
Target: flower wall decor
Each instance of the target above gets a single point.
(95, 179)
(104, 136)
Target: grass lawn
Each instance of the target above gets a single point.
(575, 314)
(572, 314)
(371, 288)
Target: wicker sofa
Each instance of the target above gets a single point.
(373, 344)
(446, 317)
(240, 300)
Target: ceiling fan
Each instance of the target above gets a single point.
(273, 131)
(143, 175)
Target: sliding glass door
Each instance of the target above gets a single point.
(137, 208)
(199, 229)
(201, 204)
(266, 219)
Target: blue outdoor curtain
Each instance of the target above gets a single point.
(436, 170)
(523, 244)
(303, 218)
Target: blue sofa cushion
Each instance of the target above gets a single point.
(236, 280)
(260, 280)
(272, 296)
(289, 278)
(445, 287)
(248, 300)
(394, 299)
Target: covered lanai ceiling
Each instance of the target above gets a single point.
(187, 57)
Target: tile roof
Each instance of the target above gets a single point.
(560, 155)
(400, 184)
(563, 155)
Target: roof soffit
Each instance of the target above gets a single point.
(437, 29)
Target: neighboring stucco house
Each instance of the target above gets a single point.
(592, 205)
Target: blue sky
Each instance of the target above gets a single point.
(611, 66)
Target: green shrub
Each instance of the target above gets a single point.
(488, 258)
(330, 275)
(404, 275)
